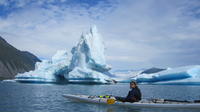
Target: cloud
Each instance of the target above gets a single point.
(163, 27)
(47, 27)
(137, 33)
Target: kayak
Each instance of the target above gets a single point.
(144, 103)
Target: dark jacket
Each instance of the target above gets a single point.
(134, 95)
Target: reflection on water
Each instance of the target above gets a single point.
(16, 97)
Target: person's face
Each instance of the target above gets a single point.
(132, 85)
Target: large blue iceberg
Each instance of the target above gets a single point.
(180, 75)
(86, 65)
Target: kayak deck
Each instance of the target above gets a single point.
(144, 103)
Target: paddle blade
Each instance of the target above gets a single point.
(110, 101)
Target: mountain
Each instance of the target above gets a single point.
(13, 61)
(152, 70)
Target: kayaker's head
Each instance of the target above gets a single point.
(133, 84)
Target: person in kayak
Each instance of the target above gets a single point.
(134, 94)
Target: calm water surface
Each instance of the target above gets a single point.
(17, 97)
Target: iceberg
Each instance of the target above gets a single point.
(87, 64)
(125, 76)
(47, 70)
(180, 75)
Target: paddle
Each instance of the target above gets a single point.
(186, 101)
(172, 100)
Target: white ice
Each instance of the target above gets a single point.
(179, 75)
(87, 64)
(47, 70)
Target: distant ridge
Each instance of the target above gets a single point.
(152, 70)
(13, 61)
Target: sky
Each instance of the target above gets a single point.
(137, 33)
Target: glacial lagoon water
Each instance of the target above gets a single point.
(18, 97)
